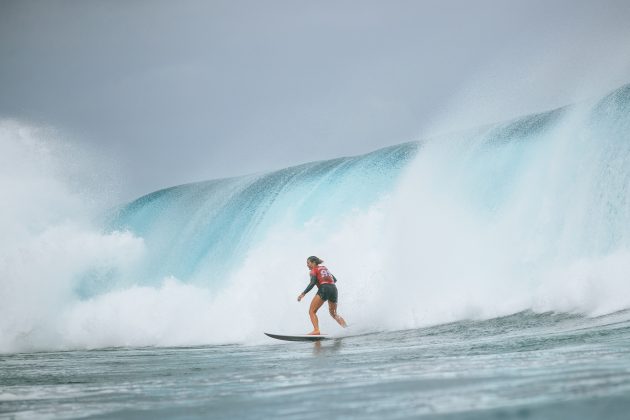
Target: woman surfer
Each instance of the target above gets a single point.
(327, 291)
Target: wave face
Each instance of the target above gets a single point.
(200, 232)
(531, 214)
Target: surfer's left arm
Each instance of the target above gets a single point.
(308, 288)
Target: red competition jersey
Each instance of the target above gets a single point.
(323, 275)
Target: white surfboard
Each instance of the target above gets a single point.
(303, 337)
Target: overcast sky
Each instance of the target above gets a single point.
(182, 91)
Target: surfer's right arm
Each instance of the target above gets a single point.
(308, 288)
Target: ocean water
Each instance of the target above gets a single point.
(521, 366)
(484, 275)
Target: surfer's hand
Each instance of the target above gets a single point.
(300, 297)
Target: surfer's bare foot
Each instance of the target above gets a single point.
(315, 332)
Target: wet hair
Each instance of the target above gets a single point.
(314, 259)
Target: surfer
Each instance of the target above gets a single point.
(327, 291)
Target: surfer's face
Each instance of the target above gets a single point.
(309, 264)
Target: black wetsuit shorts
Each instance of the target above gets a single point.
(328, 292)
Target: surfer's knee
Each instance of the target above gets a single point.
(333, 312)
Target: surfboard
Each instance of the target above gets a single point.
(298, 337)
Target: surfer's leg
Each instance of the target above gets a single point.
(332, 308)
(316, 303)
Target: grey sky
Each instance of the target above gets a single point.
(192, 90)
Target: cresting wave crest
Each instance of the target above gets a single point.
(531, 214)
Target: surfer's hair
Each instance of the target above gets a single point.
(314, 259)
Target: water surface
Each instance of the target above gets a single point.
(523, 366)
